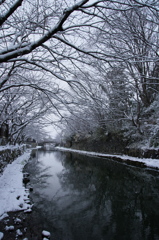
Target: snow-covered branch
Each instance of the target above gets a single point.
(11, 10)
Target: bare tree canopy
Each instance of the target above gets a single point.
(99, 49)
(26, 25)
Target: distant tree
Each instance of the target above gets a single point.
(18, 110)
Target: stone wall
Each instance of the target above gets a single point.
(8, 155)
(112, 144)
(143, 153)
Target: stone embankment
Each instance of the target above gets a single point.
(143, 152)
(8, 154)
(113, 145)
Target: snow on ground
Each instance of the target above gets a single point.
(149, 162)
(13, 195)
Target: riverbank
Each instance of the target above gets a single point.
(20, 225)
(114, 143)
(16, 219)
(14, 196)
(13, 193)
(140, 162)
(9, 153)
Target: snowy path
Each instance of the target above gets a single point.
(13, 195)
(147, 162)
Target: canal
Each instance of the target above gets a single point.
(78, 197)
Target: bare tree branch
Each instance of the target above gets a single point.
(12, 9)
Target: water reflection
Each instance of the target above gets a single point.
(80, 197)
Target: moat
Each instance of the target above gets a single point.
(81, 197)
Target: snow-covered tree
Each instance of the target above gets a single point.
(54, 40)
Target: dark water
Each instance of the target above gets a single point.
(78, 197)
